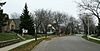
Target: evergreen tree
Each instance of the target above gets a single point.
(26, 21)
(3, 17)
(3, 20)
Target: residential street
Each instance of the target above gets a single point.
(67, 43)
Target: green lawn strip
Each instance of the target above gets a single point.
(28, 46)
(10, 36)
(28, 37)
(96, 37)
(7, 36)
(92, 40)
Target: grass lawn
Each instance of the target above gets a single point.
(92, 40)
(28, 46)
(96, 37)
(10, 36)
(28, 37)
(7, 36)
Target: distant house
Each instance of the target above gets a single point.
(10, 25)
(17, 23)
(6, 23)
(4, 20)
(50, 29)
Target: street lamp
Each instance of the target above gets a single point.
(35, 32)
(88, 15)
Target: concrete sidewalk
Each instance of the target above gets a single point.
(15, 45)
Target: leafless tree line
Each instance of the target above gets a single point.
(60, 21)
(90, 7)
(87, 21)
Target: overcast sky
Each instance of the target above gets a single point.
(67, 6)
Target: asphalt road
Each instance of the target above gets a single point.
(67, 43)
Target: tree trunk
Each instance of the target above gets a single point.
(45, 31)
(85, 30)
(98, 27)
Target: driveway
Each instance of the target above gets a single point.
(67, 43)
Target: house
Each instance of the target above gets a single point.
(14, 24)
(50, 29)
(7, 24)
(10, 25)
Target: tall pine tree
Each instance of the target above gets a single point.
(26, 21)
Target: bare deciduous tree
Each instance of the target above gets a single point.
(87, 21)
(43, 19)
(72, 25)
(93, 7)
(15, 15)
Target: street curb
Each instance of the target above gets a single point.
(93, 38)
